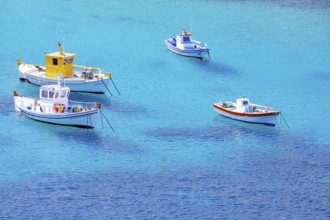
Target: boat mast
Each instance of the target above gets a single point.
(60, 48)
(190, 22)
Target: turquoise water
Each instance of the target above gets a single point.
(171, 156)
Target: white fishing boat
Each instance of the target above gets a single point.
(243, 110)
(184, 45)
(54, 107)
(78, 78)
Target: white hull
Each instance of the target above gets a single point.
(85, 119)
(269, 120)
(27, 72)
(197, 53)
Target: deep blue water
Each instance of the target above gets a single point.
(171, 156)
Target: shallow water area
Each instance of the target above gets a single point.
(171, 155)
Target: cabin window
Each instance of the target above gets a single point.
(56, 95)
(54, 61)
(67, 94)
(71, 60)
(51, 94)
(245, 102)
(186, 39)
(44, 94)
(62, 94)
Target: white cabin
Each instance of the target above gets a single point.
(243, 105)
(184, 41)
(51, 95)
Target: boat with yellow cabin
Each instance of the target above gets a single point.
(60, 64)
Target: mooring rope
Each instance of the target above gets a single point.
(106, 87)
(284, 119)
(102, 114)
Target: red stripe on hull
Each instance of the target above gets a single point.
(256, 114)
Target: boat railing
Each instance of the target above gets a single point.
(201, 44)
(83, 105)
(34, 105)
(228, 105)
(261, 108)
(73, 106)
(26, 103)
(88, 72)
(87, 67)
(45, 108)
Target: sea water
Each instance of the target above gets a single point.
(170, 155)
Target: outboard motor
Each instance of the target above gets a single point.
(87, 73)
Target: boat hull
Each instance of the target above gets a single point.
(74, 83)
(86, 119)
(268, 119)
(196, 53)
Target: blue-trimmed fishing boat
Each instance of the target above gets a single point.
(184, 45)
(55, 108)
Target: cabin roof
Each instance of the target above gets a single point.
(185, 34)
(54, 87)
(58, 54)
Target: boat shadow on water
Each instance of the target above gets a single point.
(128, 19)
(214, 133)
(217, 68)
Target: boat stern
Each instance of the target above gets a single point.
(24, 69)
(16, 98)
(21, 74)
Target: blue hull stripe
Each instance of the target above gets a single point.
(267, 124)
(83, 114)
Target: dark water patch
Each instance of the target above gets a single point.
(125, 19)
(7, 142)
(291, 179)
(192, 194)
(127, 108)
(323, 77)
(299, 4)
(96, 16)
(93, 140)
(7, 107)
(159, 64)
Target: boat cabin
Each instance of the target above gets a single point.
(184, 41)
(52, 95)
(59, 63)
(243, 105)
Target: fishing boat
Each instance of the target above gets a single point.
(78, 78)
(245, 111)
(54, 107)
(184, 45)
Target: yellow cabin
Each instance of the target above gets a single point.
(59, 63)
